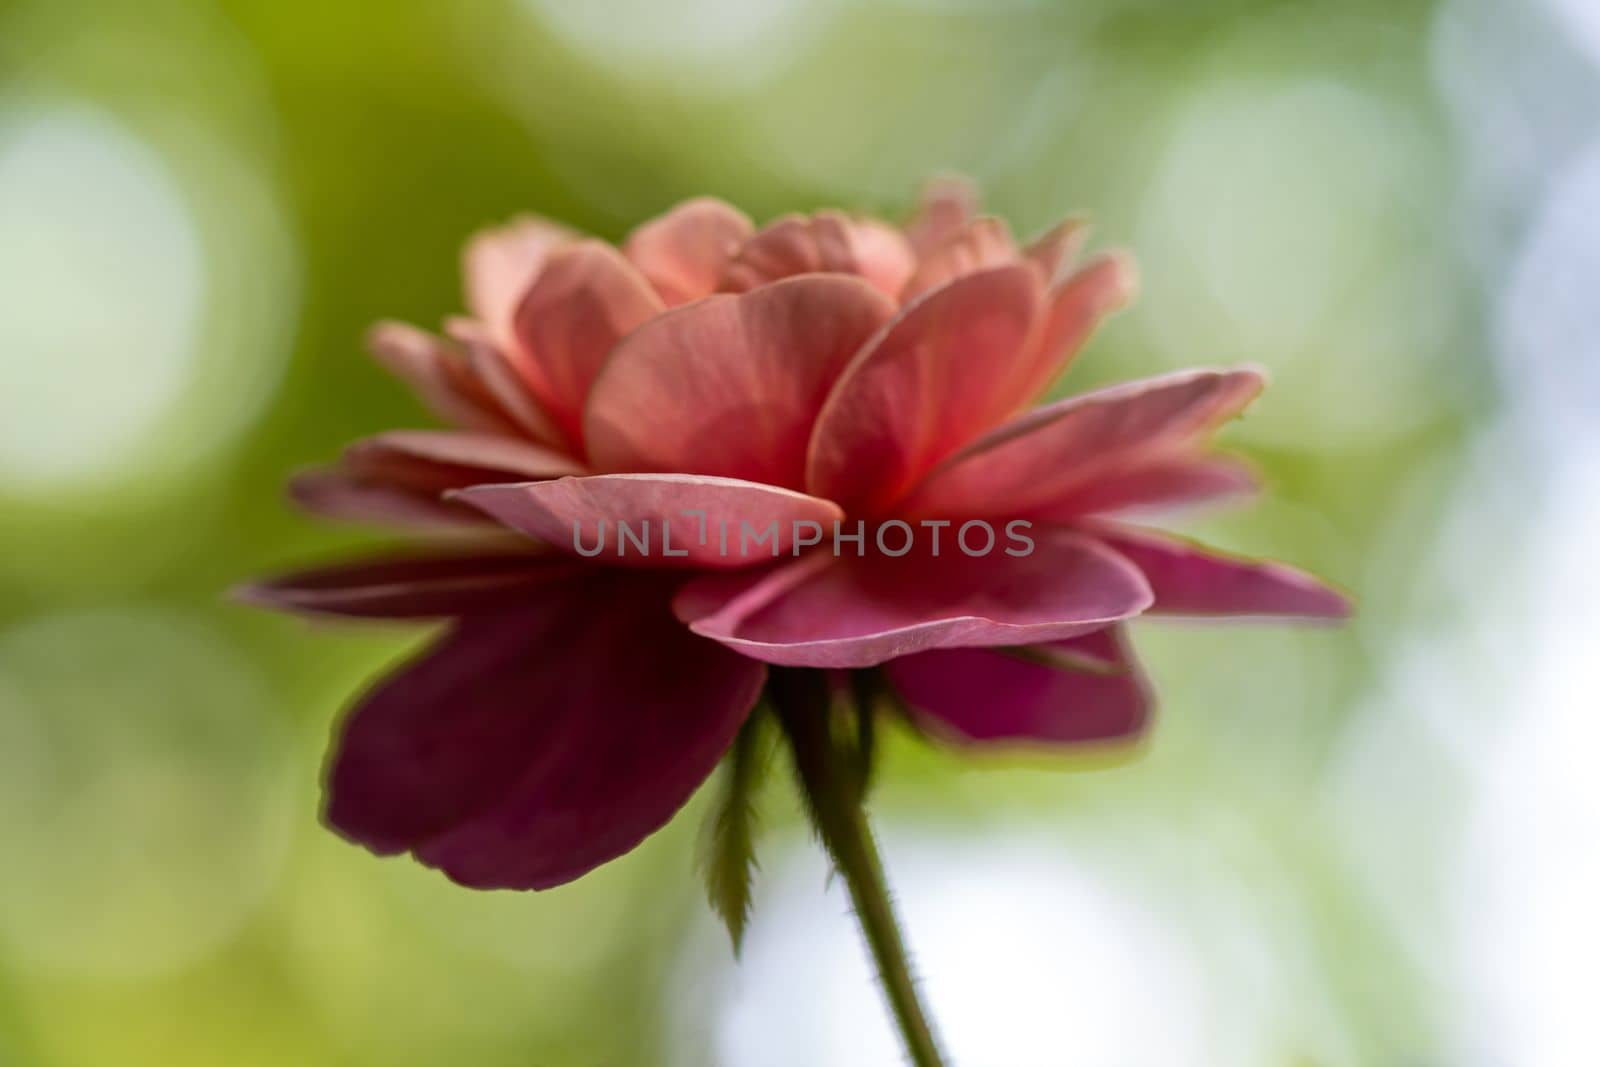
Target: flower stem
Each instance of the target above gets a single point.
(832, 783)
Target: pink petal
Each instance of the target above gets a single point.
(1191, 579)
(730, 385)
(828, 611)
(980, 695)
(412, 586)
(586, 300)
(348, 497)
(526, 748)
(947, 204)
(1055, 249)
(941, 373)
(1028, 465)
(981, 244)
(502, 383)
(1074, 309)
(829, 241)
(446, 459)
(1158, 486)
(683, 252)
(684, 520)
(437, 374)
(499, 264)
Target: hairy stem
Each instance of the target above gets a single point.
(831, 780)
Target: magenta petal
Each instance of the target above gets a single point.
(412, 586)
(528, 747)
(731, 385)
(683, 253)
(941, 373)
(684, 520)
(1027, 465)
(1041, 694)
(826, 611)
(1191, 579)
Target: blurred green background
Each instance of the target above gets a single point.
(1367, 846)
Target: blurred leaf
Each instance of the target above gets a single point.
(729, 859)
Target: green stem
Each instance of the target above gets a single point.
(832, 787)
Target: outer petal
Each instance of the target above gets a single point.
(587, 299)
(1030, 464)
(437, 374)
(943, 372)
(828, 241)
(1190, 579)
(979, 245)
(684, 520)
(499, 265)
(1074, 309)
(445, 459)
(947, 204)
(528, 747)
(1056, 248)
(978, 695)
(730, 385)
(683, 252)
(412, 586)
(826, 611)
(1160, 485)
(503, 384)
(349, 497)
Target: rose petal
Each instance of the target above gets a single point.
(684, 520)
(1191, 579)
(446, 459)
(1159, 486)
(1029, 464)
(587, 298)
(941, 373)
(501, 382)
(683, 253)
(1074, 308)
(979, 245)
(526, 748)
(980, 695)
(412, 586)
(1057, 247)
(347, 497)
(434, 371)
(828, 241)
(499, 264)
(827, 611)
(730, 385)
(947, 204)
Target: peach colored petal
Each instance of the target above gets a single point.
(979, 245)
(347, 497)
(501, 382)
(586, 300)
(730, 385)
(947, 204)
(437, 374)
(412, 586)
(1026, 466)
(827, 611)
(446, 459)
(1054, 250)
(500, 263)
(941, 373)
(1073, 309)
(683, 253)
(828, 241)
(1158, 486)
